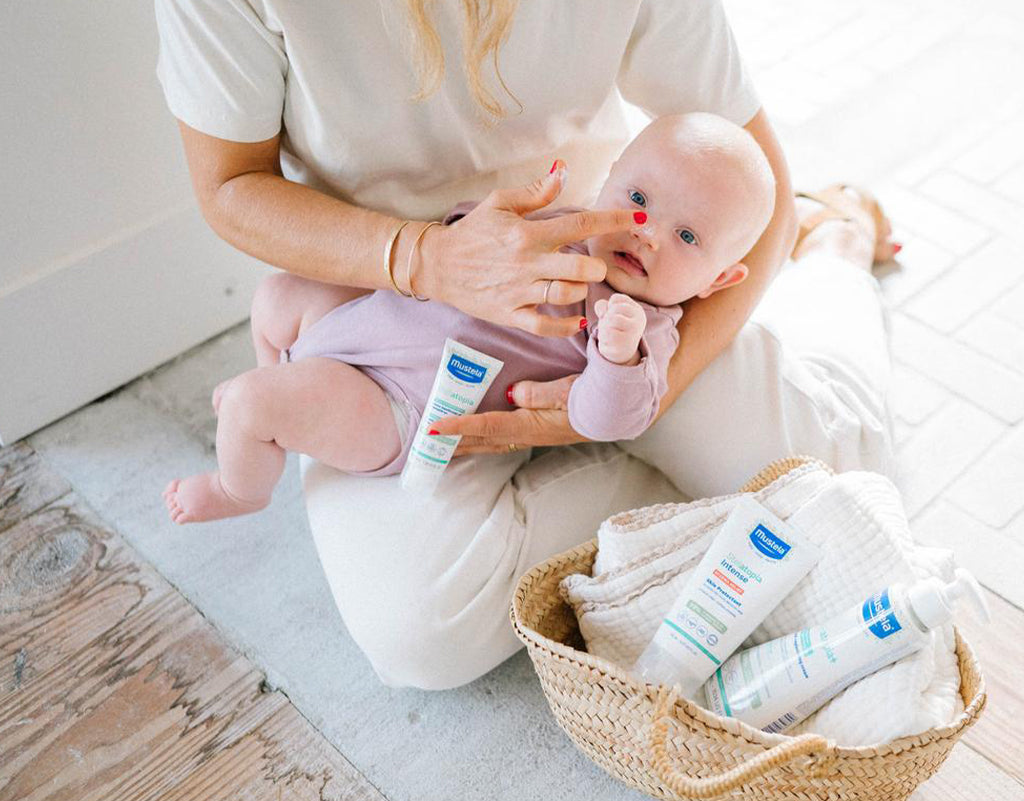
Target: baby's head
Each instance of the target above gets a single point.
(708, 192)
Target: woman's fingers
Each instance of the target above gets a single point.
(572, 268)
(491, 432)
(556, 293)
(560, 231)
(535, 195)
(487, 432)
(499, 266)
(545, 325)
(559, 293)
(543, 394)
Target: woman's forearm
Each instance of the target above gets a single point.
(311, 234)
(709, 324)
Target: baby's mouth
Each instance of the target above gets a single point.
(631, 264)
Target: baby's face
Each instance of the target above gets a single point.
(702, 218)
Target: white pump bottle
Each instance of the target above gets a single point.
(775, 685)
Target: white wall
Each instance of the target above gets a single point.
(106, 267)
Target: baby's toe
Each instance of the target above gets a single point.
(173, 511)
(170, 490)
(172, 503)
(178, 515)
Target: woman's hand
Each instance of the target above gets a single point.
(541, 419)
(495, 265)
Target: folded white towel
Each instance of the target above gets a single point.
(856, 518)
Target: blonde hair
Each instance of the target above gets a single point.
(483, 34)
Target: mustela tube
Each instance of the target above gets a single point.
(752, 564)
(775, 685)
(462, 380)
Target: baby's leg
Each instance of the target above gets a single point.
(283, 306)
(317, 406)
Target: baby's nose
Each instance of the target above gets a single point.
(647, 233)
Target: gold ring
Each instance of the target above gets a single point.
(547, 289)
(512, 447)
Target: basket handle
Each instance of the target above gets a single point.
(712, 786)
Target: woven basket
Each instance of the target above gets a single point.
(666, 746)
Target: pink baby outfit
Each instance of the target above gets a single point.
(398, 342)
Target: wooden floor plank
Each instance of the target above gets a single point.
(315, 779)
(967, 776)
(25, 485)
(114, 688)
(999, 646)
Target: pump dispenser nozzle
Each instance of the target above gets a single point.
(966, 585)
(933, 600)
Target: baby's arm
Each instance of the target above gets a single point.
(611, 400)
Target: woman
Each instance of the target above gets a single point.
(306, 151)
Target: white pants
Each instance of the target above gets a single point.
(424, 585)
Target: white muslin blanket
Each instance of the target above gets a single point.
(857, 520)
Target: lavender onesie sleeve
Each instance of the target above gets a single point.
(610, 401)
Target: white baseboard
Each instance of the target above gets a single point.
(78, 332)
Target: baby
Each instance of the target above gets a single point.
(350, 391)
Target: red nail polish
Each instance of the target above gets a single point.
(553, 166)
(583, 323)
(432, 431)
(639, 217)
(896, 247)
(508, 395)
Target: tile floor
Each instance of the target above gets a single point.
(922, 101)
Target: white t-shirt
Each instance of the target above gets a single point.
(334, 76)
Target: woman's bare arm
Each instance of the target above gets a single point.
(493, 265)
(709, 324)
(246, 200)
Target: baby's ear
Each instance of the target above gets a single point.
(730, 276)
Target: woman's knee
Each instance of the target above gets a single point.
(418, 646)
(758, 401)
(432, 611)
(422, 584)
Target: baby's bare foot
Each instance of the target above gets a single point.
(202, 497)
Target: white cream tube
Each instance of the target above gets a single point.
(752, 564)
(462, 380)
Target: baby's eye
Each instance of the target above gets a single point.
(688, 236)
(634, 195)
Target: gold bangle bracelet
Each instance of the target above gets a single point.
(389, 252)
(408, 266)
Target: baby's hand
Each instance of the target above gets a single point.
(622, 324)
